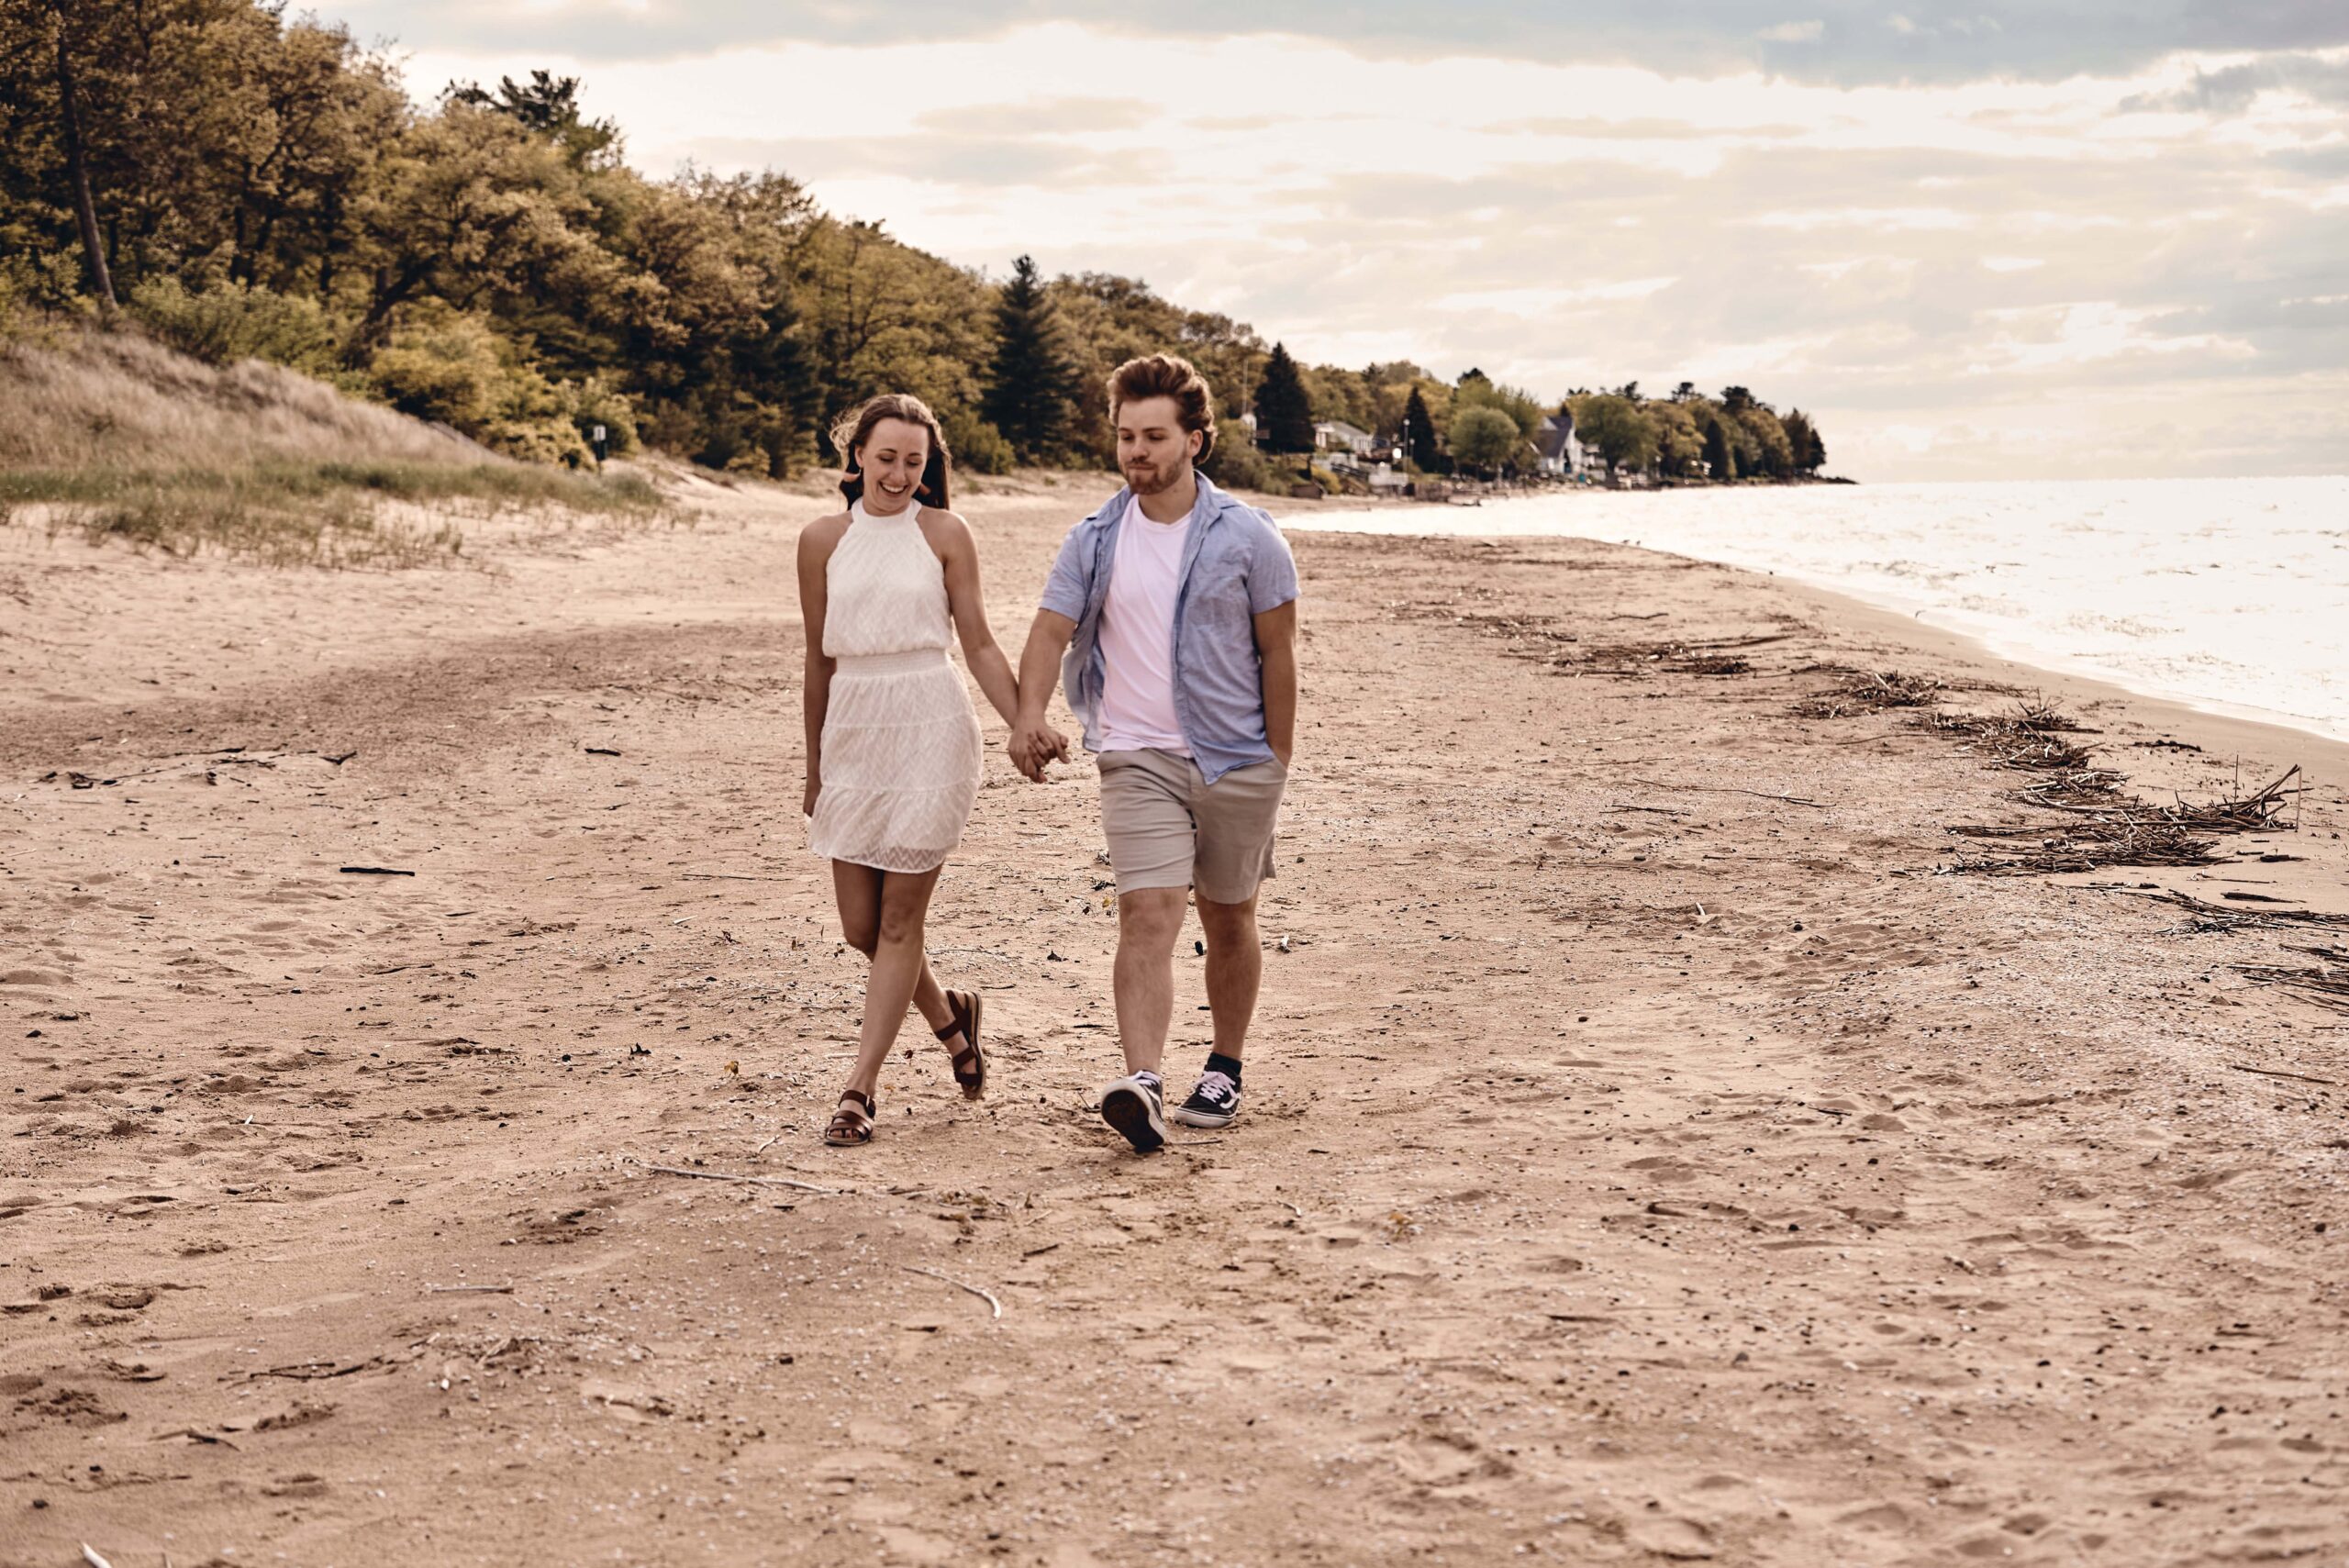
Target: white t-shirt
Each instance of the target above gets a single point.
(1138, 637)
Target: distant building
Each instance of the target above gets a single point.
(1336, 436)
(1562, 454)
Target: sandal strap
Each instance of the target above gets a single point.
(859, 1095)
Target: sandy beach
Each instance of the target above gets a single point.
(1648, 1157)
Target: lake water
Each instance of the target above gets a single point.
(2230, 595)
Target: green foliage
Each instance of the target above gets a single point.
(1419, 434)
(1031, 385)
(1721, 461)
(1679, 447)
(978, 446)
(1773, 455)
(1235, 463)
(228, 321)
(262, 185)
(1484, 437)
(1522, 408)
(1284, 413)
(1617, 429)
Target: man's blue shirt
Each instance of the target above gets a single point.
(1235, 567)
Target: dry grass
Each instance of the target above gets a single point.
(120, 439)
(86, 399)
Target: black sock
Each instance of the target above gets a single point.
(1227, 1065)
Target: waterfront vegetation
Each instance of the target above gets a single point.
(239, 185)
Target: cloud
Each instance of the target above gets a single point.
(1939, 256)
(1846, 42)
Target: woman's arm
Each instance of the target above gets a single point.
(816, 542)
(958, 553)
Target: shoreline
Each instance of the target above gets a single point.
(1651, 1152)
(2006, 645)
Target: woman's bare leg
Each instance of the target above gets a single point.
(897, 966)
(857, 890)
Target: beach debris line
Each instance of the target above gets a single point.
(2325, 983)
(2102, 827)
(1868, 691)
(2205, 916)
(373, 871)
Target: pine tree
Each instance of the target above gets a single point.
(1031, 388)
(1717, 457)
(1418, 435)
(1283, 412)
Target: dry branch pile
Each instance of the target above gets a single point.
(2325, 983)
(1870, 691)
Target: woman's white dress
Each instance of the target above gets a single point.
(901, 748)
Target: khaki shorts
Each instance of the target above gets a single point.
(1167, 827)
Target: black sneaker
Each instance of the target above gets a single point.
(1213, 1102)
(1135, 1107)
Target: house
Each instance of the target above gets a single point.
(1338, 436)
(1562, 454)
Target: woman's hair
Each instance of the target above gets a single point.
(853, 430)
(1163, 375)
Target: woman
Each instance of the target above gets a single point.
(893, 746)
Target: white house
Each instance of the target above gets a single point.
(1338, 436)
(1563, 452)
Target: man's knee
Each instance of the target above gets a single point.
(1225, 923)
(1150, 917)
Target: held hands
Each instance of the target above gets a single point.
(1033, 745)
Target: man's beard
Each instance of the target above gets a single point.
(1141, 481)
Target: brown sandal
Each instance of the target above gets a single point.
(970, 1062)
(851, 1124)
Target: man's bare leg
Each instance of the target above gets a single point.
(1148, 919)
(1235, 971)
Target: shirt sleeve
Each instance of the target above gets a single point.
(1272, 575)
(1064, 590)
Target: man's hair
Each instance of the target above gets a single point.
(1164, 376)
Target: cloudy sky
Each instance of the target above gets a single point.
(2014, 237)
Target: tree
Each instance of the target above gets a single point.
(1773, 455)
(1614, 427)
(1802, 439)
(549, 105)
(1418, 435)
(1718, 461)
(1736, 399)
(69, 118)
(1484, 437)
(1686, 392)
(1031, 384)
(1284, 413)
(1679, 447)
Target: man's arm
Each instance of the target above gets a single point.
(1032, 740)
(1276, 650)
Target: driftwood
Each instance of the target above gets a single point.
(2203, 915)
(2325, 983)
(730, 1176)
(1870, 691)
(958, 1284)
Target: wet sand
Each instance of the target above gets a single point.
(1646, 1158)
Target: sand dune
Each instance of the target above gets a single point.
(1647, 1157)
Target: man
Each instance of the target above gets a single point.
(1171, 614)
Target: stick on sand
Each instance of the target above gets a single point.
(730, 1176)
(958, 1284)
